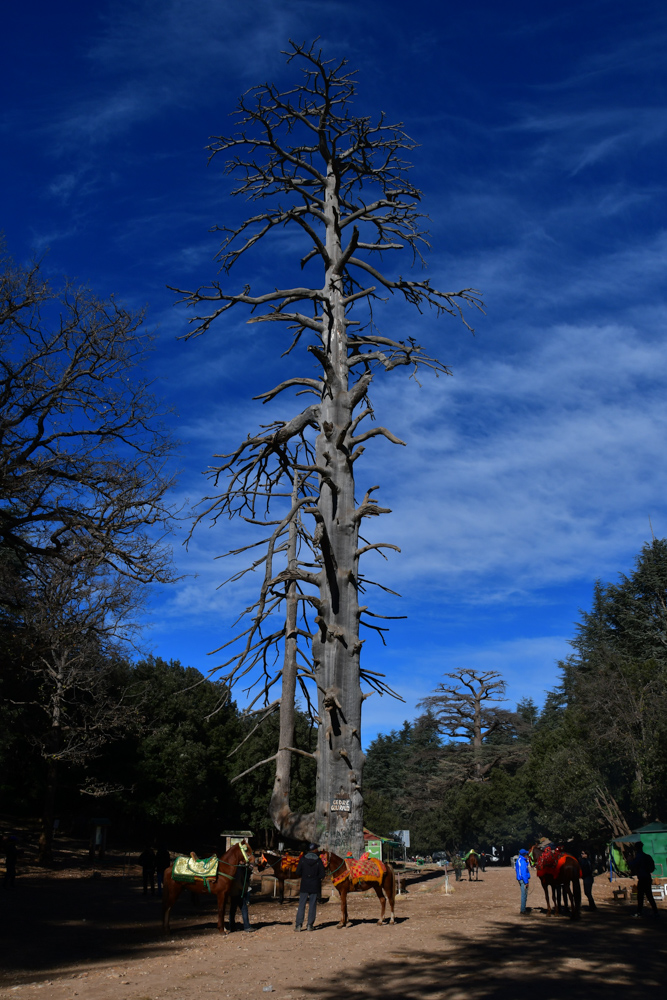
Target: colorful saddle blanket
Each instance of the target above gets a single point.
(551, 862)
(547, 863)
(290, 862)
(186, 869)
(362, 870)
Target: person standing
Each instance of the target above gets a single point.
(147, 862)
(242, 902)
(587, 879)
(11, 854)
(642, 867)
(522, 876)
(162, 862)
(311, 872)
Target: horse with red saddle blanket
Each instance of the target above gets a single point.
(558, 870)
(352, 875)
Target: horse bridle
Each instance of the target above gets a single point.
(246, 863)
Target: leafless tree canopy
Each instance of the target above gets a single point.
(82, 454)
(341, 181)
(468, 717)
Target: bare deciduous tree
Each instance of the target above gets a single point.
(468, 716)
(82, 456)
(339, 180)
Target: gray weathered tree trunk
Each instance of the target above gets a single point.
(318, 157)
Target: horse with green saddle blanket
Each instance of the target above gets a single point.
(224, 877)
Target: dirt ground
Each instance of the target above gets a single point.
(99, 939)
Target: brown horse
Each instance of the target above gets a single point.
(472, 865)
(384, 890)
(234, 868)
(283, 866)
(547, 879)
(565, 881)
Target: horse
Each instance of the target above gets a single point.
(384, 890)
(472, 865)
(565, 880)
(234, 869)
(547, 879)
(284, 867)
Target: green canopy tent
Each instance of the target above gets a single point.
(654, 838)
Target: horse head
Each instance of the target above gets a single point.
(239, 854)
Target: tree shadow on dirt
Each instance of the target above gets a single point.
(605, 954)
(49, 925)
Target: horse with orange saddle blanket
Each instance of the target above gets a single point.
(558, 870)
(284, 867)
(357, 875)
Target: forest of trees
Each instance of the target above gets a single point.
(163, 771)
(86, 729)
(591, 762)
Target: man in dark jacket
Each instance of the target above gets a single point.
(643, 866)
(147, 862)
(587, 878)
(162, 862)
(311, 872)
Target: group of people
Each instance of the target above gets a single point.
(642, 867)
(153, 865)
(311, 871)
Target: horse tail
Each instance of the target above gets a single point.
(389, 883)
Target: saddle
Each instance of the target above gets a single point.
(551, 862)
(290, 861)
(189, 869)
(361, 870)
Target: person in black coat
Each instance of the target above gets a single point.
(311, 872)
(162, 862)
(147, 862)
(642, 867)
(587, 878)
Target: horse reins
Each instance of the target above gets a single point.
(245, 864)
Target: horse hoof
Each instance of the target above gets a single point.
(339, 926)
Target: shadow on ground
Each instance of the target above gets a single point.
(47, 925)
(605, 955)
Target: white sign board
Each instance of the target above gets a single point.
(403, 836)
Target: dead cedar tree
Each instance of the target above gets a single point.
(341, 181)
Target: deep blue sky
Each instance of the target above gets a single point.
(542, 161)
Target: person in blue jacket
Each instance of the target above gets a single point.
(522, 876)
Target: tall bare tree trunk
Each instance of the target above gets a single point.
(290, 824)
(319, 157)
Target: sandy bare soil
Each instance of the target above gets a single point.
(99, 939)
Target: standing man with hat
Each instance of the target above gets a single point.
(522, 876)
(311, 872)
